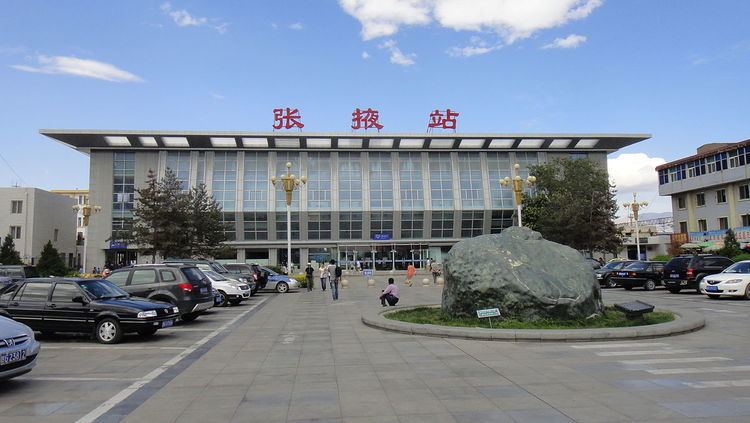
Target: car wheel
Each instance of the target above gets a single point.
(628, 288)
(747, 292)
(674, 290)
(108, 331)
(147, 331)
(713, 296)
(649, 285)
(189, 317)
(282, 287)
(223, 301)
(610, 283)
(235, 302)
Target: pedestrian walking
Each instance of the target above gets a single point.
(324, 275)
(390, 294)
(435, 270)
(335, 276)
(410, 272)
(309, 277)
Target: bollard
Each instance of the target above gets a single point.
(344, 283)
(370, 283)
(425, 282)
(440, 281)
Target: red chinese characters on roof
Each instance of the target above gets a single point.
(366, 119)
(443, 119)
(287, 118)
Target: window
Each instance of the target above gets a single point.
(737, 158)
(256, 226)
(441, 180)
(681, 202)
(501, 219)
(143, 277)
(442, 224)
(381, 181)
(167, 276)
(723, 223)
(744, 192)
(179, 163)
(412, 224)
(381, 223)
(702, 226)
(721, 196)
(119, 278)
(350, 225)
(711, 164)
(683, 227)
(15, 232)
(255, 195)
(319, 181)
(410, 173)
(200, 178)
(16, 207)
(746, 220)
(224, 186)
(56, 233)
(700, 199)
(319, 225)
(579, 156)
(470, 181)
(281, 225)
(499, 167)
(350, 181)
(35, 291)
(230, 227)
(472, 223)
(282, 158)
(64, 293)
(123, 193)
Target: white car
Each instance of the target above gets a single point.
(733, 281)
(18, 348)
(232, 291)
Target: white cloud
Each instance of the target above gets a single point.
(511, 19)
(79, 67)
(477, 46)
(637, 173)
(397, 56)
(297, 26)
(571, 41)
(183, 18)
(365, 55)
(216, 96)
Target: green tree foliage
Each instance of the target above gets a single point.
(172, 223)
(731, 245)
(8, 253)
(50, 263)
(574, 204)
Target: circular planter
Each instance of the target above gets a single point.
(685, 322)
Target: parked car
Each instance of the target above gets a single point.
(217, 296)
(604, 274)
(231, 291)
(259, 276)
(594, 263)
(85, 306)
(278, 282)
(686, 272)
(18, 272)
(220, 269)
(18, 348)
(646, 274)
(733, 281)
(181, 285)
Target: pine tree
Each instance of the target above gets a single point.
(50, 263)
(8, 253)
(205, 222)
(731, 245)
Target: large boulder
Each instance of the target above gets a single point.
(523, 275)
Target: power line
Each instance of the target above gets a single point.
(13, 170)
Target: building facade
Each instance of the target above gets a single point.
(710, 192)
(387, 198)
(33, 217)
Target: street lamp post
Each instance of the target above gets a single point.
(87, 210)
(393, 260)
(289, 183)
(635, 207)
(518, 183)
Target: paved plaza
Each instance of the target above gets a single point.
(300, 357)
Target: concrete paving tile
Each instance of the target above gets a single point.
(596, 414)
(427, 418)
(482, 417)
(476, 404)
(372, 419)
(313, 411)
(721, 408)
(419, 406)
(545, 415)
(34, 409)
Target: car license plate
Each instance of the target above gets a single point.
(674, 275)
(683, 282)
(622, 273)
(204, 290)
(712, 289)
(166, 323)
(12, 357)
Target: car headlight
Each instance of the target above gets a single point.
(733, 281)
(243, 280)
(147, 314)
(175, 309)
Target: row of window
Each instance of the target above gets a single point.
(721, 197)
(722, 223)
(711, 164)
(15, 233)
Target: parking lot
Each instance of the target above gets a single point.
(301, 357)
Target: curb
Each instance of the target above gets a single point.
(686, 322)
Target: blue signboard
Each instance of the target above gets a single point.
(118, 245)
(381, 237)
(367, 272)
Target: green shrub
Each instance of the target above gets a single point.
(661, 258)
(276, 269)
(301, 279)
(740, 257)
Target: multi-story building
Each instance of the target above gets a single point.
(81, 196)
(33, 217)
(710, 191)
(393, 198)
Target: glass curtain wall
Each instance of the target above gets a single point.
(350, 181)
(410, 174)
(441, 180)
(224, 184)
(381, 181)
(499, 167)
(470, 180)
(282, 158)
(123, 193)
(179, 163)
(319, 181)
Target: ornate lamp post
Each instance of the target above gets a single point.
(518, 184)
(289, 183)
(635, 207)
(86, 210)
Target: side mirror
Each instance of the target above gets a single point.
(79, 299)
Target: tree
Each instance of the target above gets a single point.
(8, 253)
(205, 223)
(50, 263)
(731, 245)
(574, 204)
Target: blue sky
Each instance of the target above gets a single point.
(676, 69)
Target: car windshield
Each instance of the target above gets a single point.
(102, 290)
(192, 274)
(614, 265)
(218, 268)
(214, 276)
(741, 267)
(636, 266)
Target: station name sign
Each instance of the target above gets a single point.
(369, 118)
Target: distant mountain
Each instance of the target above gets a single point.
(644, 216)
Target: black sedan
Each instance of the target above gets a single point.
(604, 275)
(640, 273)
(84, 306)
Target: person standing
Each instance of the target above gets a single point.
(324, 275)
(435, 270)
(410, 272)
(335, 274)
(390, 294)
(309, 276)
